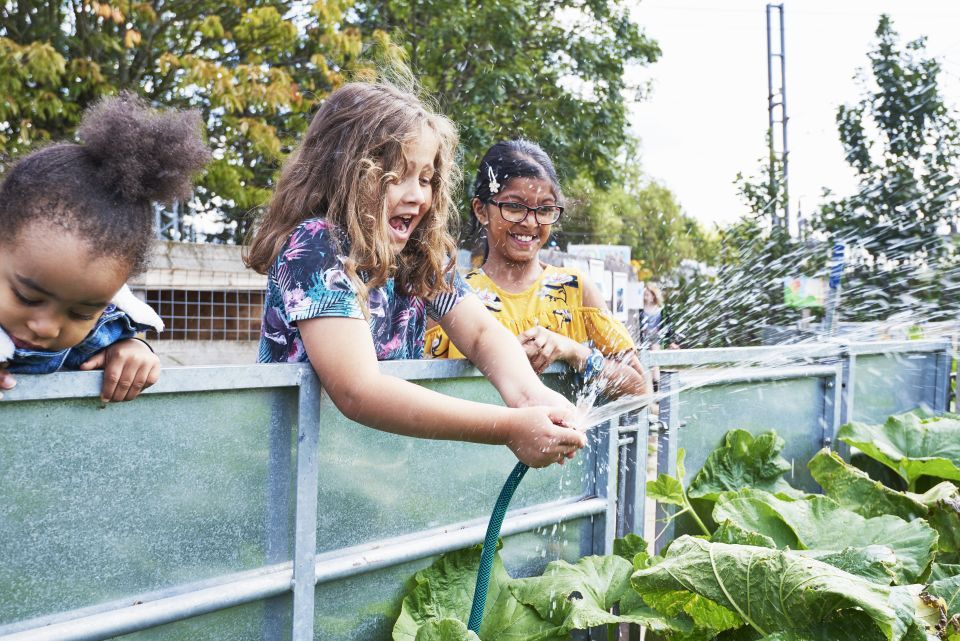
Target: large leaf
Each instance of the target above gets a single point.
(854, 490)
(446, 630)
(818, 522)
(910, 445)
(581, 596)
(779, 590)
(743, 461)
(948, 589)
(445, 591)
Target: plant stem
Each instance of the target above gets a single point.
(694, 514)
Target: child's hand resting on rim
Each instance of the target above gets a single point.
(129, 367)
(544, 346)
(7, 381)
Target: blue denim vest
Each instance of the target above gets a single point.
(112, 326)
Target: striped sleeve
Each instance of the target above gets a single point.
(442, 303)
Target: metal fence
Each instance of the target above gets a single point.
(804, 392)
(216, 507)
(237, 503)
(207, 315)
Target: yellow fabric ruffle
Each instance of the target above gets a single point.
(555, 301)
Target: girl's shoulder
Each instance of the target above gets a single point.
(561, 277)
(313, 244)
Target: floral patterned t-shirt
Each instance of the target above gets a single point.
(307, 280)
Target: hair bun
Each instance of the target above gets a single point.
(143, 153)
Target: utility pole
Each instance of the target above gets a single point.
(777, 114)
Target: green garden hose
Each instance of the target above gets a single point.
(490, 545)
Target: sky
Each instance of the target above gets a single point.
(706, 117)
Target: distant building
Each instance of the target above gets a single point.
(209, 301)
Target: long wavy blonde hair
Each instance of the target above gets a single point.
(352, 151)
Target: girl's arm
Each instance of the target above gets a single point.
(624, 373)
(342, 354)
(495, 351)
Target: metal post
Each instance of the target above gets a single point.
(305, 546)
(631, 479)
(604, 463)
(282, 419)
(777, 98)
(667, 446)
(941, 386)
(832, 405)
(833, 297)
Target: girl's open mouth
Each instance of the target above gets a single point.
(401, 223)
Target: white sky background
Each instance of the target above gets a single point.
(706, 117)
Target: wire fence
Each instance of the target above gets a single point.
(218, 315)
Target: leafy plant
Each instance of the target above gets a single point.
(911, 445)
(781, 565)
(669, 490)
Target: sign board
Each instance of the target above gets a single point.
(802, 292)
(619, 304)
(620, 252)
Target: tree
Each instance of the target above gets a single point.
(551, 71)
(903, 143)
(254, 68)
(641, 213)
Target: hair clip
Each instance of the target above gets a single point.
(494, 185)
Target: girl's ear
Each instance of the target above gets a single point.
(479, 210)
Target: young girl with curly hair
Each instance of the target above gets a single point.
(76, 223)
(357, 250)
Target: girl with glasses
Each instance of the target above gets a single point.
(555, 312)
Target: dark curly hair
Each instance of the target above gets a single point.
(100, 190)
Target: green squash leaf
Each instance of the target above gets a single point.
(445, 591)
(743, 461)
(576, 597)
(818, 522)
(874, 562)
(947, 589)
(855, 490)
(446, 630)
(910, 445)
(779, 590)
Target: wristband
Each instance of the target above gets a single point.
(136, 338)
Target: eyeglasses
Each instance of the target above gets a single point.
(518, 212)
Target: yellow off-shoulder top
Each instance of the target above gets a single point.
(554, 301)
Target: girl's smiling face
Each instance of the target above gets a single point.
(409, 199)
(516, 242)
(53, 289)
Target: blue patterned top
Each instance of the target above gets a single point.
(307, 280)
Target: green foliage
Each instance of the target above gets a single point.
(903, 143)
(743, 461)
(819, 523)
(255, 70)
(508, 69)
(776, 590)
(910, 445)
(787, 566)
(734, 306)
(640, 213)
